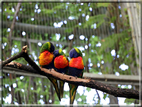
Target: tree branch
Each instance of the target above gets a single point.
(117, 92)
(13, 23)
(15, 57)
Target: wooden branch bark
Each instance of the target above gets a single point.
(14, 57)
(13, 23)
(10, 44)
(117, 92)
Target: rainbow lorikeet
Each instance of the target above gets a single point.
(46, 60)
(61, 65)
(76, 67)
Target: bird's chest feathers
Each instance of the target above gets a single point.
(61, 62)
(76, 63)
(45, 58)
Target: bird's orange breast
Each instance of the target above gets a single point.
(77, 63)
(45, 58)
(61, 62)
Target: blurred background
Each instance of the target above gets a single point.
(108, 35)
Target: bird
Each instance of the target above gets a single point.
(76, 67)
(46, 60)
(61, 64)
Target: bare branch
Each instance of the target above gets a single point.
(13, 23)
(117, 92)
(15, 57)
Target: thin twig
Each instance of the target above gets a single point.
(13, 23)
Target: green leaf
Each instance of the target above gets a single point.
(129, 101)
(100, 23)
(57, 102)
(32, 14)
(39, 102)
(19, 83)
(88, 89)
(108, 57)
(4, 39)
(105, 95)
(113, 19)
(54, 38)
(17, 89)
(94, 39)
(83, 97)
(92, 26)
(46, 34)
(99, 57)
(129, 30)
(48, 11)
(94, 19)
(103, 4)
(60, 6)
(93, 70)
(110, 41)
(11, 17)
(69, 30)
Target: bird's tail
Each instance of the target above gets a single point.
(61, 88)
(73, 89)
(55, 84)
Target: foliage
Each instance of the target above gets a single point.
(73, 16)
(129, 101)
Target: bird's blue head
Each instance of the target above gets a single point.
(58, 52)
(75, 52)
